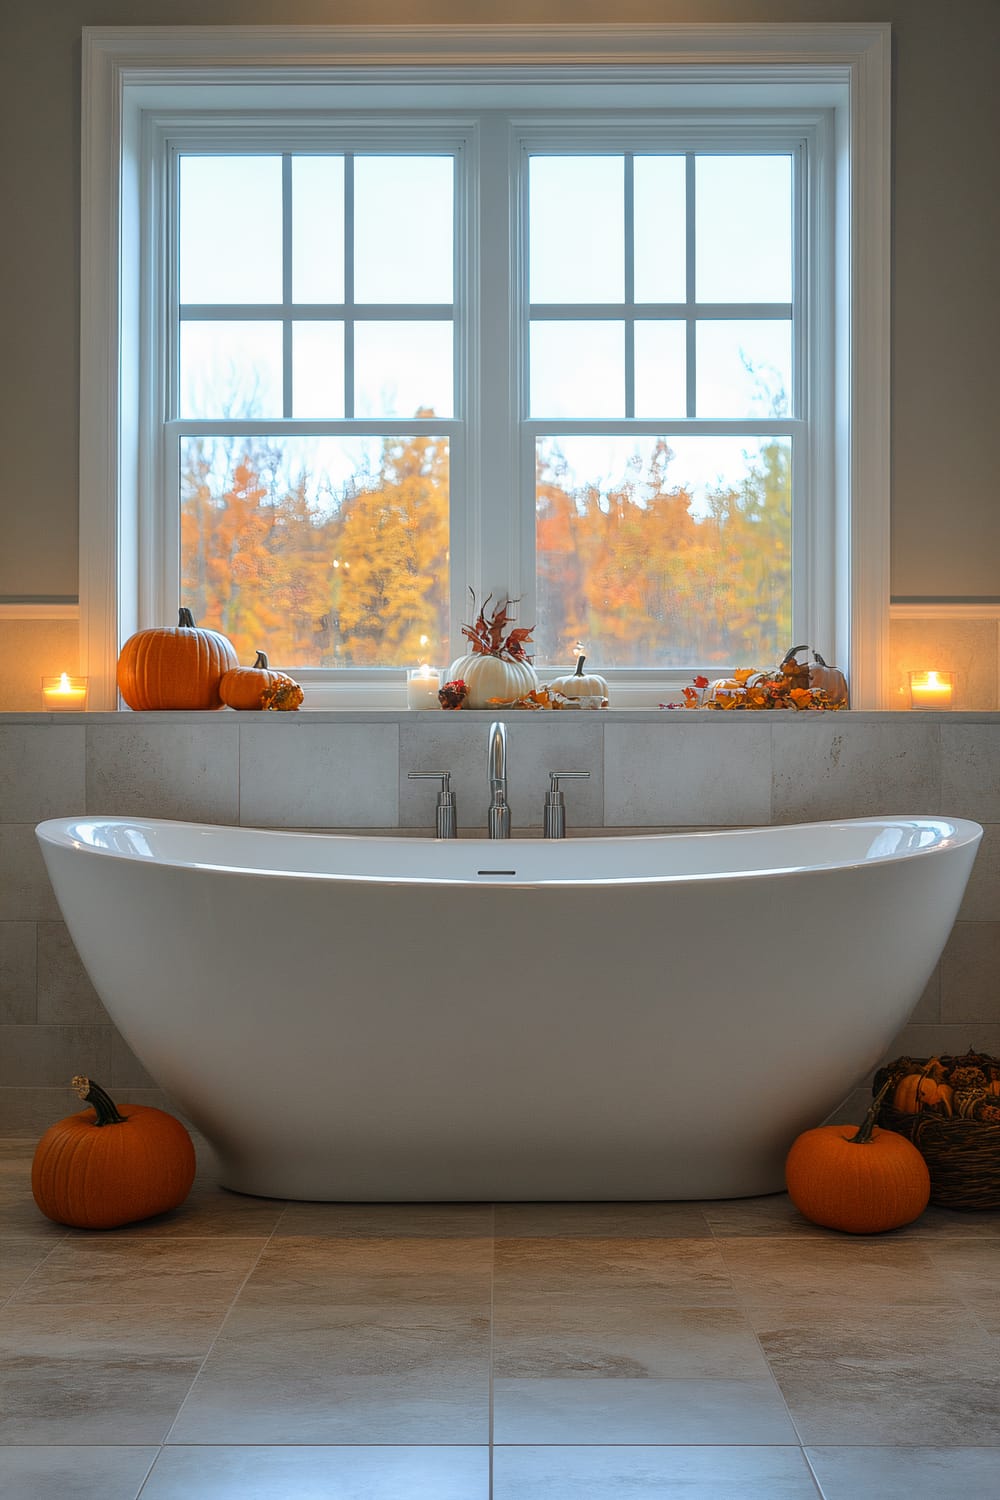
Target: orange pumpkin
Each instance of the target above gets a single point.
(174, 666)
(917, 1091)
(104, 1167)
(252, 687)
(862, 1180)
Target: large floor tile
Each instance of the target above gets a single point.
(597, 1410)
(690, 1271)
(113, 1375)
(857, 1375)
(854, 1269)
(443, 1221)
(372, 1271)
(209, 1211)
(542, 1336)
(906, 1473)
(123, 1270)
(605, 1221)
(80, 1473)
(553, 1473)
(310, 1373)
(19, 1259)
(308, 1473)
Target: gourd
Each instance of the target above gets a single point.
(104, 1167)
(576, 685)
(174, 666)
(815, 674)
(861, 1183)
(917, 1091)
(497, 667)
(259, 686)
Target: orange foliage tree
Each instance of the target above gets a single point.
(363, 580)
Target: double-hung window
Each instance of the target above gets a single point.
(582, 338)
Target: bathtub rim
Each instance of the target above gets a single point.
(58, 833)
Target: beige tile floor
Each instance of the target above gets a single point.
(241, 1349)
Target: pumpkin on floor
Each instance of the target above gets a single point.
(174, 666)
(862, 1180)
(104, 1167)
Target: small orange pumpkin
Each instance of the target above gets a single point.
(917, 1091)
(104, 1167)
(174, 666)
(252, 687)
(861, 1183)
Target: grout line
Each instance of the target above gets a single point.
(493, 1270)
(225, 1320)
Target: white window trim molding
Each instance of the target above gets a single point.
(855, 58)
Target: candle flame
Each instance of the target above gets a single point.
(425, 670)
(64, 683)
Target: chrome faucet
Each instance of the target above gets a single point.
(498, 816)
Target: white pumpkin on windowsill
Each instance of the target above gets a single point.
(497, 667)
(579, 684)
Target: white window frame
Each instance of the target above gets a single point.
(835, 73)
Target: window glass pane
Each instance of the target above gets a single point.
(329, 552)
(578, 369)
(744, 369)
(661, 369)
(663, 551)
(576, 229)
(230, 369)
(402, 369)
(317, 369)
(403, 228)
(317, 229)
(743, 228)
(230, 229)
(659, 195)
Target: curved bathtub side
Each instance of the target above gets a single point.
(355, 1041)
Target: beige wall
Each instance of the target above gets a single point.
(945, 512)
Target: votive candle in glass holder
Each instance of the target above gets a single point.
(422, 684)
(64, 694)
(931, 689)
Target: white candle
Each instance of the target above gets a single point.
(63, 693)
(422, 687)
(929, 690)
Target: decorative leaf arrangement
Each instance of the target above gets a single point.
(549, 697)
(487, 632)
(792, 685)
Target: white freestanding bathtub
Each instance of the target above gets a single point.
(373, 1018)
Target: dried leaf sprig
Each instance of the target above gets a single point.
(487, 631)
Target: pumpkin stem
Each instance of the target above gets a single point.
(185, 619)
(104, 1105)
(579, 667)
(261, 663)
(790, 653)
(864, 1135)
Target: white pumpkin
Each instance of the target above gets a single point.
(489, 677)
(576, 685)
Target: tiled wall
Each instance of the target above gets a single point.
(349, 771)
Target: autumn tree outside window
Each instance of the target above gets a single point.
(576, 342)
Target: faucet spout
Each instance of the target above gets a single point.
(498, 814)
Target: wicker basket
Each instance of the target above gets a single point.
(962, 1156)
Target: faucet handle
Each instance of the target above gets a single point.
(554, 812)
(446, 812)
(554, 779)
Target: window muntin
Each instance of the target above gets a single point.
(659, 550)
(330, 547)
(644, 373)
